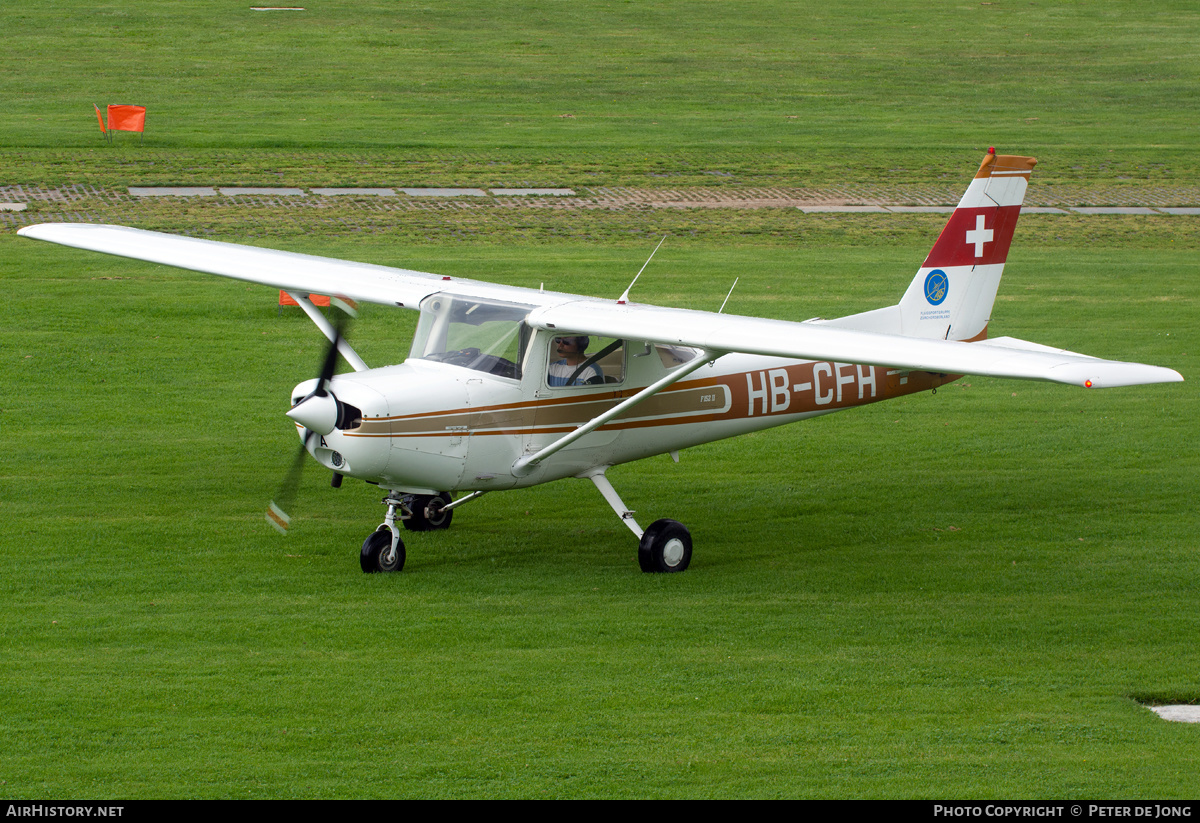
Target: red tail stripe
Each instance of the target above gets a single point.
(968, 241)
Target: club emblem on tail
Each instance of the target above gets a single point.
(936, 286)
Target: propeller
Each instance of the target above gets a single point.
(319, 412)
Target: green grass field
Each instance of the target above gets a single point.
(962, 595)
(571, 93)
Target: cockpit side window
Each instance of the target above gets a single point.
(672, 356)
(481, 335)
(585, 360)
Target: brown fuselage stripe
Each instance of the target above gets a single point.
(787, 390)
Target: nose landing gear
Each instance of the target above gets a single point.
(383, 550)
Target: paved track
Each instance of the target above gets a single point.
(22, 205)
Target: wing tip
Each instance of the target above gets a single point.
(45, 231)
(1139, 375)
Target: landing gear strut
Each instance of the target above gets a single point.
(383, 551)
(664, 547)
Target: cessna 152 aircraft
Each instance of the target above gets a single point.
(507, 387)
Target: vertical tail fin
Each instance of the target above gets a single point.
(951, 297)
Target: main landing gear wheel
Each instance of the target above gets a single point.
(377, 554)
(427, 514)
(666, 547)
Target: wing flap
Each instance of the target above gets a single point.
(818, 341)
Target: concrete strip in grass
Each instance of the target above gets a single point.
(920, 209)
(172, 191)
(432, 192)
(238, 191)
(843, 209)
(1113, 210)
(533, 192)
(337, 192)
(1180, 713)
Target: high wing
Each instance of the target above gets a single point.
(305, 273)
(716, 333)
(1003, 357)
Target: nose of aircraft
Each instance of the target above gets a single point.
(318, 413)
(323, 406)
(401, 426)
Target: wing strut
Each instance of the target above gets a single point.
(526, 464)
(327, 329)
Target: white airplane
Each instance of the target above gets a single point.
(508, 387)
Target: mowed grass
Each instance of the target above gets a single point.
(597, 92)
(958, 595)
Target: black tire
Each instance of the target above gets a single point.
(427, 514)
(416, 521)
(665, 547)
(434, 514)
(374, 553)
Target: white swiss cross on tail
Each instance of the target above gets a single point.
(979, 235)
(951, 296)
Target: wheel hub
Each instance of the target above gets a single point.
(673, 552)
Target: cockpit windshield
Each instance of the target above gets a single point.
(477, 334)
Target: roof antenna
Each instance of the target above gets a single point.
(731, 288)
(625, 297)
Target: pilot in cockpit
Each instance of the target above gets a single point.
(567, 370)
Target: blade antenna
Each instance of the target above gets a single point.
(625, 297)
(731, 288)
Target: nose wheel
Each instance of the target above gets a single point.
(383, 551)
